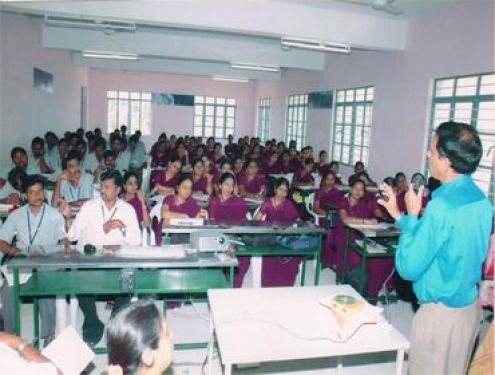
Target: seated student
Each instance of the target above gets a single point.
(238, 166)
(322, 166)
(400, 179)
(135, 197)
(294, 161)
(277, 271)
(71, 185)
(139, 341)
(270, 165)
(12, 191)
(105, 220)
(181, 151)
(251, 183)
(164, 182)
(231, 147)
(210, 168)
(284, 164)
(225, 167)
(360, 173)
(35, 223)
(37, 158)
(51, 141)
(180, 204)
(55, 162)
(202, 183)
(160, 155)
(95, 158)
(354, 209)
(137, 156)
(82, 149)
(19, 159)
(334, 167)
(20, 358)
(226, 207)
(218, 157)
(303, 177)
(123, 158)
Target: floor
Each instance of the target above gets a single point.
(190, 324)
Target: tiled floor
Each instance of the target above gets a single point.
(190, 324)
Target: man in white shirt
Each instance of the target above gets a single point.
(106, 220)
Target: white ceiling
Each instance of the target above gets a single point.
(204, 36)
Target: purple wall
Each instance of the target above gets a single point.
(25, 111)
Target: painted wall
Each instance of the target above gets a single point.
(26, 112)
(454, 41)
(170, 119)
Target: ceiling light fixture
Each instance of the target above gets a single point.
(110, 55)
(230, 79)
(255, 67)
(104, 24)
(289, 42)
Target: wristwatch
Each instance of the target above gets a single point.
(20, 348)
(123, 229)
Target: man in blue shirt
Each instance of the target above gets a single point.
(443, 251)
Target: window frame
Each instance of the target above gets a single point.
(144, 98)
(202, 104)
(296, 127)
(264, 112)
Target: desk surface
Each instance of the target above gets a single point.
(376, 230)
(279, 324)
(60, 257)
(249, 227)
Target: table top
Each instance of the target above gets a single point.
(249, 227)
(62, 257)
(278, 324)
(376, 230)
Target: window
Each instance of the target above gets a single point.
(469, 99)
(213, 116)
(352, 125)
(132, 109)
(297, 119)
(264, 109)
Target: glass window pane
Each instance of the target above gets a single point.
(210, 110)
(111, 94)
(219, 133)
(488, 141)
(135, 116)
(198, 121)
(487, 85)
(349, 95)
(444, 87)
(347, 134)
(136, 95)
(123, 95)
(220, 111)
(230, 122)
(360, 95)
(466, 86)
(210, 100)
(111, 114)
(462, 112)
(208, 132)
(146, 117)
(220, 100)
(340, 96)
(123, 112)
(370, 92)
(209, 121)
(345, 154)
(486, 117)
(199, 99)
(198, 110)
(231, 102)
(356, 155)
(348, 115)
(339, 115)
(230, 111)
(336, 152)
(146, 96)
(198, 131)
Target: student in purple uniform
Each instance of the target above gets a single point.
(334, 167)
(218, 157)
(165, 181)
(360, 173)
(251, 183)
(294, 161)
(354, 209)
(160, 155)
(209, 166)
(238, 166)
(180, 204)
(202, 182)
(304, 177)
(270, 165)
(278, 271)
(225, 167)
(230, 147)
(135, 197)
(327, 196)
(227, 207)
(321, 167)
(284, 165)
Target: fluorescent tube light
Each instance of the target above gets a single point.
(90, 23)
(256, 67)
(110, 55)
(230, 79)
(315, 45)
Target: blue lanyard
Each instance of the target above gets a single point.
(32, 238)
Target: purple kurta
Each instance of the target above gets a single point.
(189, 207)
(159, 178)
(279, 271)
(233, 209)
(299, 178)
(273, 169)
(252, 186)
(138, 207)
(378, 269)
(200, 185)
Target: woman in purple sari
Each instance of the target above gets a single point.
(225, 166)
(165, 181)
(135, 197)
(251, 183)
(327, 196)
(201, 181)
(180, 204)
(354, 209)
(279, 271)
(227, 207)
(303, 177)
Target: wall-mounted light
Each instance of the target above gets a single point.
(110, 55)
(230, 79)
(255, 67)
(290, 42)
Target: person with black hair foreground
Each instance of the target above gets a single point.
(138, 341)
(443, 251)
(106, 220)
(35, 223)
(13, 190)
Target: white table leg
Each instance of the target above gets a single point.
(60, 308)
(210, 346)
(256, 264)
(399, 362)
(227, 369)
(73, 311)
(339, 366)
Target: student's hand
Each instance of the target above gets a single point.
(203, 213)
(414, 201)
(115, 370)
(371, 221)
(11, 251)
(63, 176)
(64, 209)
(14, 199)
(112, 224)
(140, 196)
(389, 201)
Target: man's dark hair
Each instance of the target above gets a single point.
(112, 174)
(399, 174)
(63, 140)
(100, 142)
(135, 328)
(17, 178)
(71, 155)
(17, 150)
(80, 142)
(109, 154)
(32, 180)
(37, 141)
(460, 143)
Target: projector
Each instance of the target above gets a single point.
(209, 241)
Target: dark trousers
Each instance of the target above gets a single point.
(88, 307)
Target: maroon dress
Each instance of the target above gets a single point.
(200, 185)
(303, 179)
(378, 269)
(232, 210)
(159, 178)
(252, 186)
(138, 207)
(279, 271)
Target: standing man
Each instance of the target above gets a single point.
(442, 252)
(35, 223)
(106, 220)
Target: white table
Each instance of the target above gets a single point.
(282, 324)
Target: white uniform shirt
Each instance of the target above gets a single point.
(87, 227)
(91, 163)
(123, 161)
(84, 189)
(14, 364)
